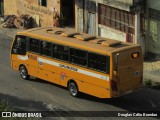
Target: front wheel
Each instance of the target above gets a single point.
(24, 72)
(73, 89)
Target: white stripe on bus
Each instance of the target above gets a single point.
(79, 70)
(68, 67)
(22, 57)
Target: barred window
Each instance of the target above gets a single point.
(118, 19)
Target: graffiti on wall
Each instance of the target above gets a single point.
(38, 9)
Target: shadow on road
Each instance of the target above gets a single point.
(143, 100)
(20, 104)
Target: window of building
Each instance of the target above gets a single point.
(34, 45)
(78, 57)
(98, 62)
(118, 19)
(42, 3)
(46, 48)
(60, 52)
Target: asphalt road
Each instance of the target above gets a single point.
(38, 95)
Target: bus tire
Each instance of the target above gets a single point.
(23, 72)
(73, 89)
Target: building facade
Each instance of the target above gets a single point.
(45, 12)
(153, 28)
(135, 21)
(115, 19)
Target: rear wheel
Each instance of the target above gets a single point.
(73, 89)
(24, 73)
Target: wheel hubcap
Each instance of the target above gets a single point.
(73, 89)
(23, 73)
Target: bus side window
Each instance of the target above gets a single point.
(97, 62)
(34, 45)
(78, 56)
(46, 48)
(60, 52)
(19, 46)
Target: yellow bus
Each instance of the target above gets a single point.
(83, 63)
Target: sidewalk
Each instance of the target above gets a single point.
(151, 68)
(10, 32)
(152, 71)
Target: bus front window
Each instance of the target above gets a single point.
(19, 46)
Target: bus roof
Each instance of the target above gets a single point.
(71, 38)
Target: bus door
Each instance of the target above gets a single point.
(18, 52)
(32, 54)
(46, 64)
(129, 65)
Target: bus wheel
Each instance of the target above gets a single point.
(73, 89)
(24, 72)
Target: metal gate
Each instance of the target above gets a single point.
(91, 28)
(91, 18)
(80, 15)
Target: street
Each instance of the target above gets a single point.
(38, 95)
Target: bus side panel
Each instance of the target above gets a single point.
(47, 71)
(51, 70)
(15, 65)
(93, 90)
(31, 64)
(17, 61)
(32, 70)
(48, 75)
(27, 61)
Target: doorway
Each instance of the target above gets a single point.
(1, 7)
(68, 12)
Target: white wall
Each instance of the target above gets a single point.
(110, 33)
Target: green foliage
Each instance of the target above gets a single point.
(151, 84)
(147, 83)
(4, 106)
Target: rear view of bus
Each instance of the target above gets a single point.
(127, 70)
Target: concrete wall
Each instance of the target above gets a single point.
(107, 32)
(120, 4)
(153, 29)
(31, 7)
(155, 4)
